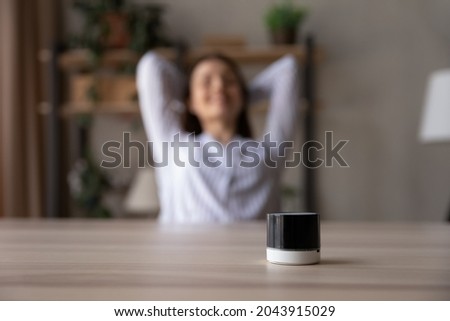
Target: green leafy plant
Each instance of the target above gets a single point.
(142, 23)
(95, 28)
(87, 183)
(285, 16)
(146, 27)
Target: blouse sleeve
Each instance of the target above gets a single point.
(279, 83)
(160, 86)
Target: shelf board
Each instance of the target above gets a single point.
(70, 109)
(257, 55)
(81, 58)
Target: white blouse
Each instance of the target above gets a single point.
(226, 191)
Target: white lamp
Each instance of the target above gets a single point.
(435, 125)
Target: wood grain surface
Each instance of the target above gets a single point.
(141, 260)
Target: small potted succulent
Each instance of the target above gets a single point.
(283, 20)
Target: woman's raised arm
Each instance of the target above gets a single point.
(160, 87)
(280, 83)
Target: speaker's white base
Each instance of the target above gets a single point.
(290, 257)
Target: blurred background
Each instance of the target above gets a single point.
(67, 87)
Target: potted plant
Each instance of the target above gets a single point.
(113, 24)
(283, 21)
(106, 24)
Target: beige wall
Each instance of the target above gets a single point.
(379, 54)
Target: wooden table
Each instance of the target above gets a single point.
(141, 260)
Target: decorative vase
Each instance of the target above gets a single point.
(117, 34)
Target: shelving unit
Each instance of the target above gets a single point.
(74, 61)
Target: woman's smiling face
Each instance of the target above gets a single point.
(216, 93)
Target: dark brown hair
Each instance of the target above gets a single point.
(191, 123)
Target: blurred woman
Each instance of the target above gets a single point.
(210, 167)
